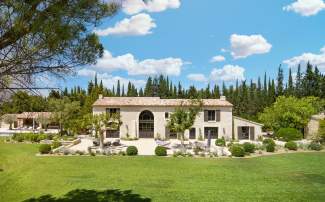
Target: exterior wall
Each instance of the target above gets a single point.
(4, 125)
(312, 128)
(130, 120)
(238, 122)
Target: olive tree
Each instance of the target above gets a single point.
(9, 119)
(101, 122)
(183, 118)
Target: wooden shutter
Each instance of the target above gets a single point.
(252, 133)
(217, 115)
(205, 115)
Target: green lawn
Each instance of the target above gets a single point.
(292, 177)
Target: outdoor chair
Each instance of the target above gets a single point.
(162, 143)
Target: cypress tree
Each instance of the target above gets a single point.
(298, 88)
(118, 89)
(216, 92)
(290, 89)
(279, 88)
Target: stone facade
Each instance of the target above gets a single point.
(221, 126)
(313, 125)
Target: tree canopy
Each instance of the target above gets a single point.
(290, 112)
(48, 36)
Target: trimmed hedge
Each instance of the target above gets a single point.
(56, 144)
(237, 150)
(291, 146)
(288, 134)
(44, 148)
(30, 137)
(249, 147)
(221, 142)
(131, 151)
(161, 151)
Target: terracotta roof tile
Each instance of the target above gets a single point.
(155, 101)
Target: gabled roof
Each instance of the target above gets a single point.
(249, 121)
(30, 115)
(156, 101)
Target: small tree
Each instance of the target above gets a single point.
(9, 119)
(290, 112)
(100, 123)
(183, 118)
(43, 120)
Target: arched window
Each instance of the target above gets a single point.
(146, 124)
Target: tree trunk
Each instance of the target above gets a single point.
(101, 140)
(181, 136)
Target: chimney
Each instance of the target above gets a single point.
(100, 96)
(223, 98)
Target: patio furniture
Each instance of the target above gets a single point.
(96, 143)
(116, 142)
(162, 143)
(107, 144)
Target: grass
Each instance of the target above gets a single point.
(291, 177)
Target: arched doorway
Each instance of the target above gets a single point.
(146, 124)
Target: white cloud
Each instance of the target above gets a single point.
(167, 66)
(322, 50)
(87, 72)
(306, 7)
(314, 59)
(218, 58)
(243, 46)
(197, 77)
(110, 80)
(137, 25)
(136, 6)
(223, 50)
(228, 73)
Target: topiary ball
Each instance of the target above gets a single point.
(132, 151)
(161, 151)
(44, 148)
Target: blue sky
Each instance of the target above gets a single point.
(180, 38)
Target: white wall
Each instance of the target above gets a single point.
(130, 118)
(245, 123)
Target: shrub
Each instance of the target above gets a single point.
(19, 137)
(270, 147)
(288, 134)
(237, 150)
(66, 152)
(44, 148)
(131, 151)
(315, 146)
(291, 145)
(56, 144)
(41, 137)
(80, 152)
(197, 150)
(92, 154)
(268, 141)
(249, 147)
(161, 151)
(221, 142)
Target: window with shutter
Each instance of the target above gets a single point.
(205, 115)
(217, 115)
